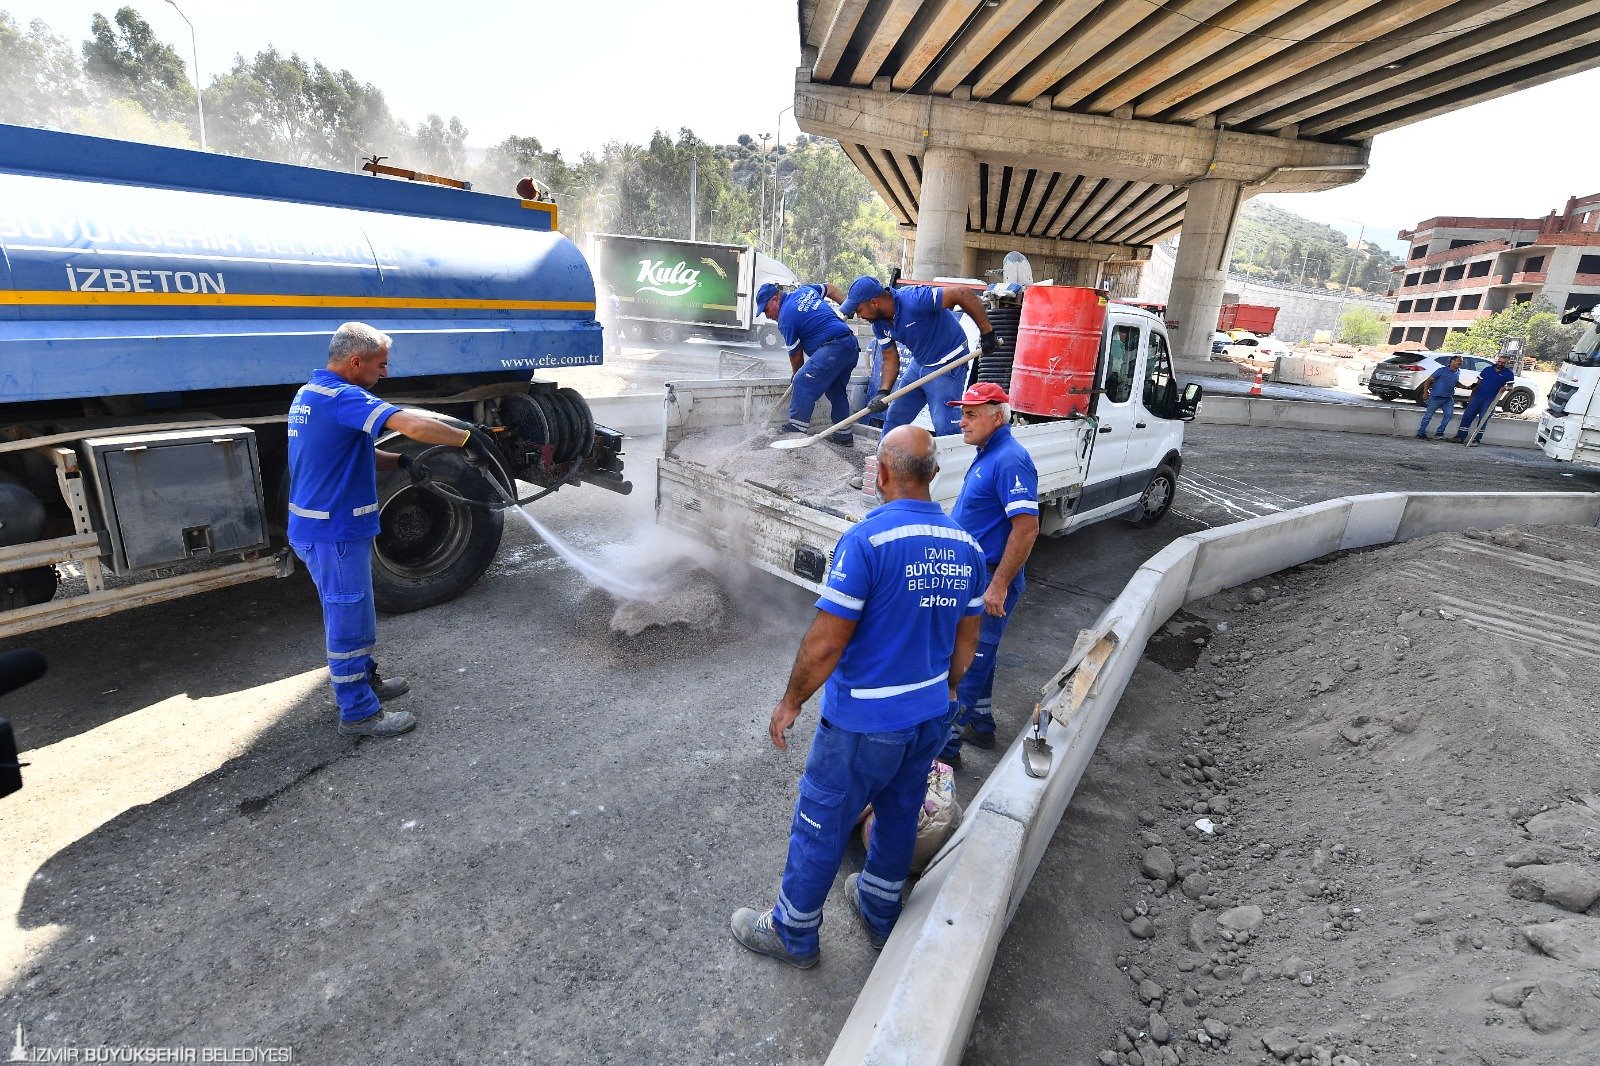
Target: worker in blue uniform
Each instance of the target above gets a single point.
(1486, 393)
(919, 319)
(999, 506)
(822, 351)
(895, 628)
(333, 512)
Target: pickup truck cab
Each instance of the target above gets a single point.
(1119, 459)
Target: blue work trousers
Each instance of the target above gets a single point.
(935, 396)
(342, 572)
(975, 692)
(1445, 404)
(844, 772)
(1480, 406)
(826, 372)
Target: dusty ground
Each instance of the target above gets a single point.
(1401, 764)
(546, 867)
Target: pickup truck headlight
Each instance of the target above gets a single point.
(1557, 432)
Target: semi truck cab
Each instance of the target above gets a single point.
(1569, 430)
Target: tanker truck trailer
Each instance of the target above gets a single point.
(159, 309)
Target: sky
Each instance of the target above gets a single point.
(579, 74)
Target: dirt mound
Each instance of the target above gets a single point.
(1397, 752)
(819, 473)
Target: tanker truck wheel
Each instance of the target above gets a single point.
(430, 551)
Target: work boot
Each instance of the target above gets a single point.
(977, 739)
(753, 929)
(382, 724)
(792, 426)
(387, 688)
(951, 755)
(852, 892)
(843, 440)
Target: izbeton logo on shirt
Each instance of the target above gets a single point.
(939, 571)
(838, 567)
(1018, 486)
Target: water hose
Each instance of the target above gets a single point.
(500, 478)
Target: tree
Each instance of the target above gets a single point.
(1362, 325)
(441, 146)
(280, 107)
(126, 59)
(1534, 321)
(837, 227)
(41, 81)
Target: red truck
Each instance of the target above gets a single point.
(1253, 317)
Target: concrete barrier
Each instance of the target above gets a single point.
(1305, 370)
(918, 1004)
(1387, 421)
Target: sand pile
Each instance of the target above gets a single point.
(819, 474)
(1398, 752)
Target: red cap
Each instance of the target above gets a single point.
(981, 393)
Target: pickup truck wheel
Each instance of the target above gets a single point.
(430, 551)
(1157, 498)
(1518, 402)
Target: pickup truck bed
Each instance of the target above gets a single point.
(783, 511)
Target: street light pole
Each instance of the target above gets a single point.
(194, 46)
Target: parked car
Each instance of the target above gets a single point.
(1253, 347)
(1220, 342)
(1404, 373)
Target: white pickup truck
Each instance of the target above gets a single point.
(1122, 460)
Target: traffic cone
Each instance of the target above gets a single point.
(1255, 388)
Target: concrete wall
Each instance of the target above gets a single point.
(1387, 421)
(1301, 311)
(918, 1004)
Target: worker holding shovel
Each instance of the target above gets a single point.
(822, 351)
(919, 319)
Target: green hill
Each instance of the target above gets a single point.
(1277, 245)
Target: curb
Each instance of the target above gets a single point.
(1346, 418)
(918, 1004)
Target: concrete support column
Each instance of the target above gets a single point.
(948, 175)
(1200, 273)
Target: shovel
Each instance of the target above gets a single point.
(801, 442)
(1036, 753)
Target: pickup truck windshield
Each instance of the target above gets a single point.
(1587, 351)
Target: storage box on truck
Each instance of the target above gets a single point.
(1256, 318)
(1095, 403)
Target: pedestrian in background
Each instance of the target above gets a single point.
(1441, 389)
(896, 626)
(822, 352)
(1486, 393)
(999, 506)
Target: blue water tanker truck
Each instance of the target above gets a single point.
(158, 310)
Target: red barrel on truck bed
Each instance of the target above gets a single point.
(1058, 347)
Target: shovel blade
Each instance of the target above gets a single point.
(790, 443)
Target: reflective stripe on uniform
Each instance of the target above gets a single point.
(798, 919)
(376, 411)
(321, 390)
(368, 650)
(368, 509)
(340, 679)
(877, 886)
(1028, 506)
(976, 601)
(896, 690)
(305, 513)
(841, 599)
(937, 532)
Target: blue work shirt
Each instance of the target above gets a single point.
(1000, 484)
(906, 575)
(1493, 379)
(333, 470)
(1444, 382)
(922, 326)
(807, 321)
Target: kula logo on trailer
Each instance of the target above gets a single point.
(655, 276)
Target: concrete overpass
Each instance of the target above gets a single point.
(1082, 131)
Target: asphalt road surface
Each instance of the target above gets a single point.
(546, 867)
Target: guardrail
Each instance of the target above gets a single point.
(918, 1004)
